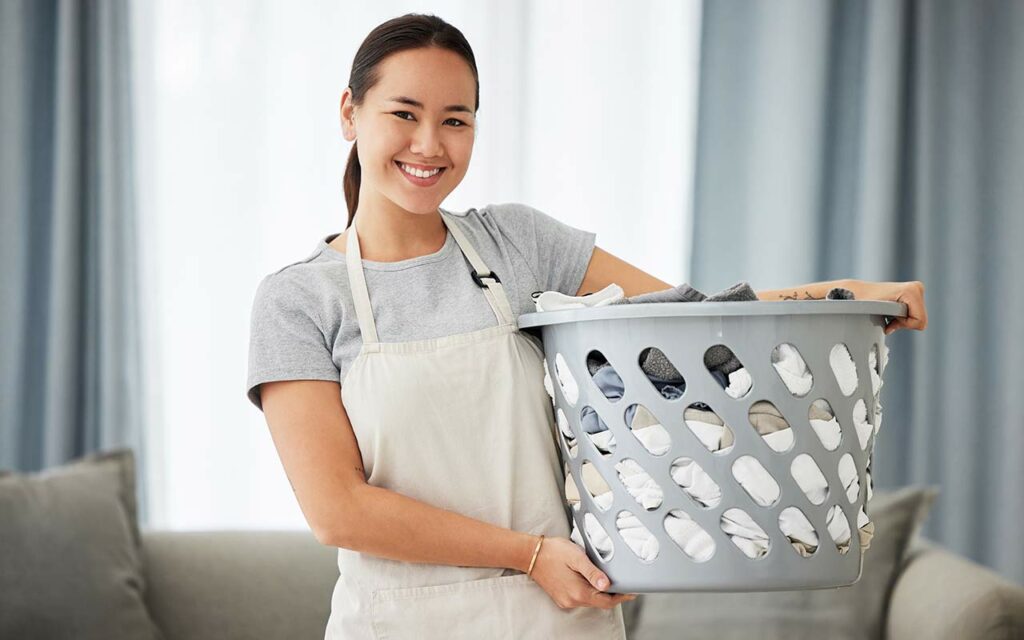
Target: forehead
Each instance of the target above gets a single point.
(433, 76)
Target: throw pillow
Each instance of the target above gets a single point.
(70, 557)
(853, 612)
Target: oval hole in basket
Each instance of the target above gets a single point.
(874, 370)
(637, 537)
(647, 429)
(547, 381)
(596, 485)
(843, 368)
(571, 491)
(570, 390)
(792, 369)
(861, 423)
(568, 437)
(598, 537)
(661, 373)
(756, 481)
(695, 482)
(825, 425)
(848, 477)
(639, 483)
(809, 478)
(728, 371)
(708, 428)
(689, 536)
(799, 530)
(746, 534)
(597, 431)
(838, 528)
(605, 377)
(771, 425)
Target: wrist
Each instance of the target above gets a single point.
(524, 546)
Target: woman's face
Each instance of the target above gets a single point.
(436, 133)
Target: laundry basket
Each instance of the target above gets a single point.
(690, 484)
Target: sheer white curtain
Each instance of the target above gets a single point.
(587, 113)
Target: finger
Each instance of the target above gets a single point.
(606, 600)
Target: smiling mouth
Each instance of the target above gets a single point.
(399, 165)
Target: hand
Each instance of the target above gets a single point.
(565, 572)
(910, 293)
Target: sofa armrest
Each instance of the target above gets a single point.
(238, 584)
(943, 596)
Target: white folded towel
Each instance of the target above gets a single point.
(555, 301)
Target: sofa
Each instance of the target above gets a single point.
(272, 585)
(74, 563)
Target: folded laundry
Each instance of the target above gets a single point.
(792, 369)
(556, 300)
(720, 361)
(749, 473)
(843, 368)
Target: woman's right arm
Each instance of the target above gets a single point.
(321, 457)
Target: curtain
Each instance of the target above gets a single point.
(884, 141)
(69, 333)
(587, 112)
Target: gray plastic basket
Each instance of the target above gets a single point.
(683, 332)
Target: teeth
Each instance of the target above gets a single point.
(416, 172)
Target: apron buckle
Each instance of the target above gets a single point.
(477, 278)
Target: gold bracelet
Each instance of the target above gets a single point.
(536, 552)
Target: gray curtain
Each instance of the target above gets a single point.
(69, 333)
(885, 141)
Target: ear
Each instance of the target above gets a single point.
(347, 109)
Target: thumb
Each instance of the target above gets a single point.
(596, 578)
(894, 325)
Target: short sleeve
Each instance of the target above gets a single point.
(558, 253)
(285, 339)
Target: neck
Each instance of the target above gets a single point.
(391, 234)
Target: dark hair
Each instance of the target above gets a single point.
(411, 31)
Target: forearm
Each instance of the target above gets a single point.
(812, 291)
(392, 525)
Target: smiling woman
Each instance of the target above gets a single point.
(430, 459)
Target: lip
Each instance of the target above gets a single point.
(421, 182)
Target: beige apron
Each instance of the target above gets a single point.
(460, 422)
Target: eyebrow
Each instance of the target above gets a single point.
(418, 104)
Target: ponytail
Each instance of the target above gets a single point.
(352, 177)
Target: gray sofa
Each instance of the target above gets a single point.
(75, 564)
(272, 585)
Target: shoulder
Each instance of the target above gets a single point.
(510, 219)
(301, 282)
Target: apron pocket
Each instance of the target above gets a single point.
(513, 607)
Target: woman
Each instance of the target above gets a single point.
(408, 412)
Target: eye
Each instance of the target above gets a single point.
(402, 114)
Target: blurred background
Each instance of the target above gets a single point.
(160, 157)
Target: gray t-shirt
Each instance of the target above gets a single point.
(304, 327)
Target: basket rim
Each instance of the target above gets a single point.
(704, 309)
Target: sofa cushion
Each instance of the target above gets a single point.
(70, 558)
(857, 611)
(251, 585)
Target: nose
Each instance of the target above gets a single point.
(426, 141)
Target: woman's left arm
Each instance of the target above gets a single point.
(909, 293)
(605, 269)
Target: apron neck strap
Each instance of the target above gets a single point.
(482, 275)
(356, 281)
